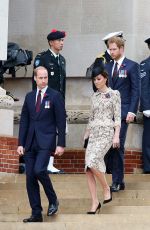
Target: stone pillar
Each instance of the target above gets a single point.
(4, 6)
(6, 114)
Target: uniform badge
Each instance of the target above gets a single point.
(37, 62)
(47, 104)
(142, 74)
(52, 73)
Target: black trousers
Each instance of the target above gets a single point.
(114, 159)
(146, 145)
(36, 161)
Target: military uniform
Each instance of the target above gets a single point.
(102, 59)
(145, 108)
(56, 70)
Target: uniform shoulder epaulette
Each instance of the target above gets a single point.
(62, 56)
(101, 55)
(41, 54)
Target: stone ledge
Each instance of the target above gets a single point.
(75, 116)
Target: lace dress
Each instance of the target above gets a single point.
(105, 115)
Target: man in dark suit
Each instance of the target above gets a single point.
(103, 58)
(43, 115)
(55, 64)
(124, 76)
(145, 108)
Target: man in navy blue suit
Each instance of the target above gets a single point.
(43, 118)
(145, 108)
(124, 76)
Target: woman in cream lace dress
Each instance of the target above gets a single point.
(103, 131)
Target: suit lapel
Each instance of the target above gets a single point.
(33, 100)
(110, 66)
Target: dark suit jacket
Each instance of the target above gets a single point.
(56, 72)
(145, 84)
(44, 124)
(127, 82)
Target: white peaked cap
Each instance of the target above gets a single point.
(110, 35)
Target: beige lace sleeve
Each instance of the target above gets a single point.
(117, 108)
(91, 115)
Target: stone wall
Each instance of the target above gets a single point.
(85, 21)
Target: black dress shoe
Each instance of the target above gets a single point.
(116, 187)
(146, 172)
(33, 219)
(122, 186)
(52, 209)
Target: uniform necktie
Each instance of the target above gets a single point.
(38, 102)
(115, 70)
(57, 58)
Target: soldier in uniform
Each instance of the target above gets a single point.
(145, 108)
(55, 63)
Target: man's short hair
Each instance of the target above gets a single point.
(118, 41)
(39, 68)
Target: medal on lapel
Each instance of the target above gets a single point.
(122, 73)
(47, 104)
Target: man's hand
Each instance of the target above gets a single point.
(130, 117)
(59, 150)
(20, 150)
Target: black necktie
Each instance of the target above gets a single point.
(115, 70)
(57, 58)
(38, 102)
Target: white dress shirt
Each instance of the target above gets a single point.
(42, 92)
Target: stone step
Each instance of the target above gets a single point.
(73, 178)
(80, 222)
(107, 209)
(76, 206)
(75, 186)
(73, 194)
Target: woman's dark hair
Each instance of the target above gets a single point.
(99, 70)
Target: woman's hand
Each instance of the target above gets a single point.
(116, 141)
